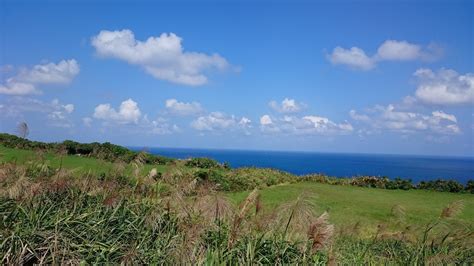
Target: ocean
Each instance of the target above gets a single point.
(414, 167)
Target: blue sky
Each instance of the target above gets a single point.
(355, 76)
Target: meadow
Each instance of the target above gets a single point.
(368, 206)
(79, 165)
(60, 208)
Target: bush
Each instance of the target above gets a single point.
(226, 165)
(205, 163)
(399, 183)
(250, 178)
(470, 186)
(370, 181)
(441, 185)
(213, 176)
(104, 151)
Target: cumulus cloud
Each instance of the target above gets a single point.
(218, 121)
(129, 118)
(398, 50)
(26, 81)
(390, 118)
(390, 50)
(163, 57)
(445, 87)
(286, 106)
(443, 115)
(265, 120)
(56, 113)
(359, 117)
(159, 126)
(306, 125)
(128, 112)
(60, 113)
(245, 122)
(175, 107)
(353, 57)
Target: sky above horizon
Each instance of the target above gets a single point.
(341, 76)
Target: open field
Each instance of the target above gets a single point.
(370, 206)
(75, 163)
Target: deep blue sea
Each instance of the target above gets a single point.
(338, 164)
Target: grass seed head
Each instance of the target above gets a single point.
(320, 232)
(452, 209)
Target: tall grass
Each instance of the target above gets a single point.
(56, 217)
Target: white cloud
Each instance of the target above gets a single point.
(182, 108)
(128, 112)
(398, 50)
(354, 58)
(57, 114)
(159, 126)
(390, 50)
(358, 117)
(129, 119)
(443, 115)
(445, 87)
(324, 125)
(306, 125)
(12, 87)
(26, 81)
(217, 121)
(389, 118)
(162, 57)
(245, 122)
(265, 120)
(69, 108)
(286, 106)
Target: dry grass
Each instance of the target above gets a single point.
(70, 220)
(320, 232)
(452, 209)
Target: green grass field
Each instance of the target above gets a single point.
(346, 204)
(71, 162)
(370, 206)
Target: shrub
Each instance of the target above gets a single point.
(214, 176)
(441, 185)
(370, 181)
(226, 165)
(104, 151)
(320, 178)
(205, 163)
(470, 186)
(399, 183)
(250, 178)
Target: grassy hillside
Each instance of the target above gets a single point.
(79, 209)
(347, 204)
(78, 164)
(369, 206)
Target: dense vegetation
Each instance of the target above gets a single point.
(439, 185)
(104, 151)
(52, 216)
(73, 203)
(221, 175)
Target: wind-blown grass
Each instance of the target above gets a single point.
(76, 210)
(370, 206)
(53, 217)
